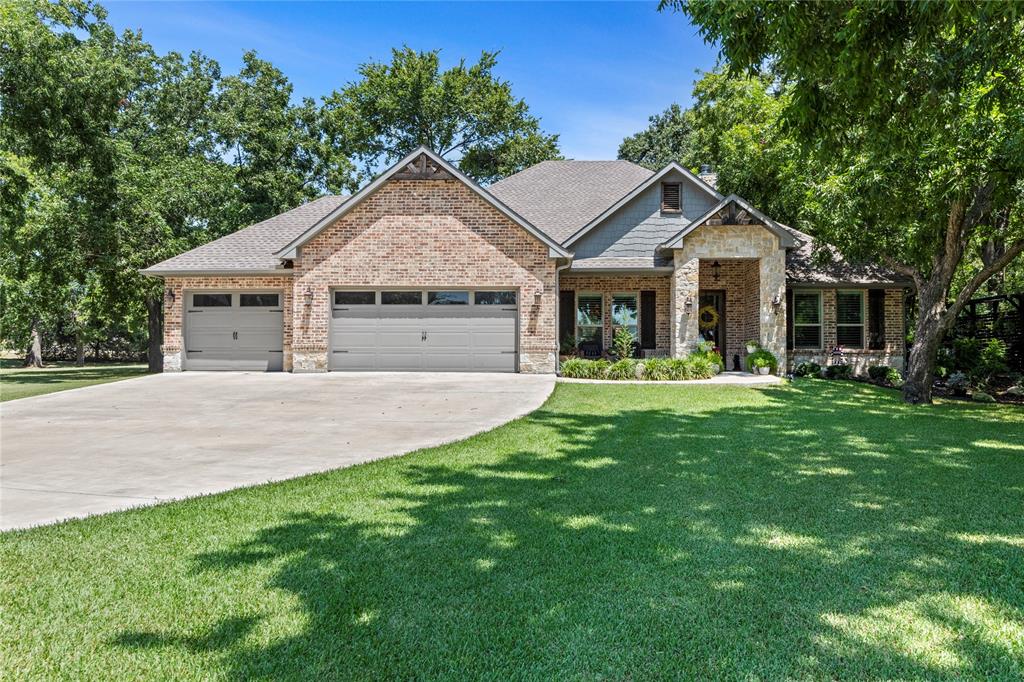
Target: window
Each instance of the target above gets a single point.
(401, 298)
(495, 298)
(258, 300)
(354, 298)
(624, 314)
(807, 319)
(876, 319)
(448, 298)
(588, 318)
(670, 197)
(850, 318)
(211, 300)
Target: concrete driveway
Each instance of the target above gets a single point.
(170, 436)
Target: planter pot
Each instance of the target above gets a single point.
(763, 370)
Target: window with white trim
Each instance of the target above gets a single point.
(850, 319)
(589, 320)
(624, 314)
(807, 319)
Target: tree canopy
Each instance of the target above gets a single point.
(464, 113)
(915, 112)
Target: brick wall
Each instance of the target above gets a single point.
(174, 339)
(607, 285)
(432, 233)
(895, 340)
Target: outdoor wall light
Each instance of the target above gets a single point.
(169, 296)
(776, 302)
(309, 295)
(716, 270)
(688, 306)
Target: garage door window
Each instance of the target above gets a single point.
(448, 298)
(211, 300)
(401, 297)
(354, 298)
(258, 300)
(494, 298)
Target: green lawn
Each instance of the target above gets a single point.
(19, 382)
(818, 530)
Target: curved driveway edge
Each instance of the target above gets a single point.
(172, 436)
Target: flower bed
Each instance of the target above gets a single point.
(695, 366)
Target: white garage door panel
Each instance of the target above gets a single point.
(423, 338)
(233, 337)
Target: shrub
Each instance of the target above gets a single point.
(958, 383)
(657, 369)
(568, 345)
(882, 374)
(623, 344)
(807, 369)
(679, 369)
(622, 370)
(839, 372)
(578, 368)
(762, 358)
(992, 360)
(700, 366)
(966, 355)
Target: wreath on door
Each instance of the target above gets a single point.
(707, 318)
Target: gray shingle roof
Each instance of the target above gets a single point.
(560, 197)
(253, 247)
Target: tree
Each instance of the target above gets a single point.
(464, 113)
(917, 112)
(735, 126)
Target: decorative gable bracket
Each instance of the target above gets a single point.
(423, 168)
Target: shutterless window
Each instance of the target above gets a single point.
(806, 319)
(588, 317)
(401, 297)
(670, 196)
(211, 300)
(354, 298)
(494, 298)
(850, 318)
(624, 314)
(448, 298)
(258, 300)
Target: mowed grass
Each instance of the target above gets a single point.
(818, 530)
(22, 382)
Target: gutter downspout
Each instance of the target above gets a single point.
(558, 313)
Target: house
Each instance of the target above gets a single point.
(423, 269)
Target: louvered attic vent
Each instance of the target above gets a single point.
(670, 197)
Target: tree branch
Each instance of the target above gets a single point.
(1012, 251)
(904, 269)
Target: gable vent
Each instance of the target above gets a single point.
(670, 197)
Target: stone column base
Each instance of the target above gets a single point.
(172, 361)
(309, 361)
(537, 363)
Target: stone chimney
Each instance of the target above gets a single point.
(708, 175)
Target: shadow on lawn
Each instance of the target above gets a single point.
(58, 375)
(766, 540)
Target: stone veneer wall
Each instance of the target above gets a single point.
(722, 242)
(607, 285)
(895, 339)
(174, 339)
(740, 280)
(419, 234)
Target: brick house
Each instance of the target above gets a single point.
(423, 269)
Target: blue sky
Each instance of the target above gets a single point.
(593, 72)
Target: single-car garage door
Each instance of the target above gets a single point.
(435, 330)
(236, 330)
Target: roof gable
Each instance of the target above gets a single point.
(637, 191)
(422, 164)
(733, 210)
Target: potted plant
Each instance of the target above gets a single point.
(762, 365)
(752, 346)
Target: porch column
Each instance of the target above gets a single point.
(772, 271)
(685, 291)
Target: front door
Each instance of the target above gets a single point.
(711, 318)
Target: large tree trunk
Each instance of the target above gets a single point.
(79, 350)
(155, 314)
(34, 355)
(931, 325)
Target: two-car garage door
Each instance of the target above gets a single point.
(412, 330)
